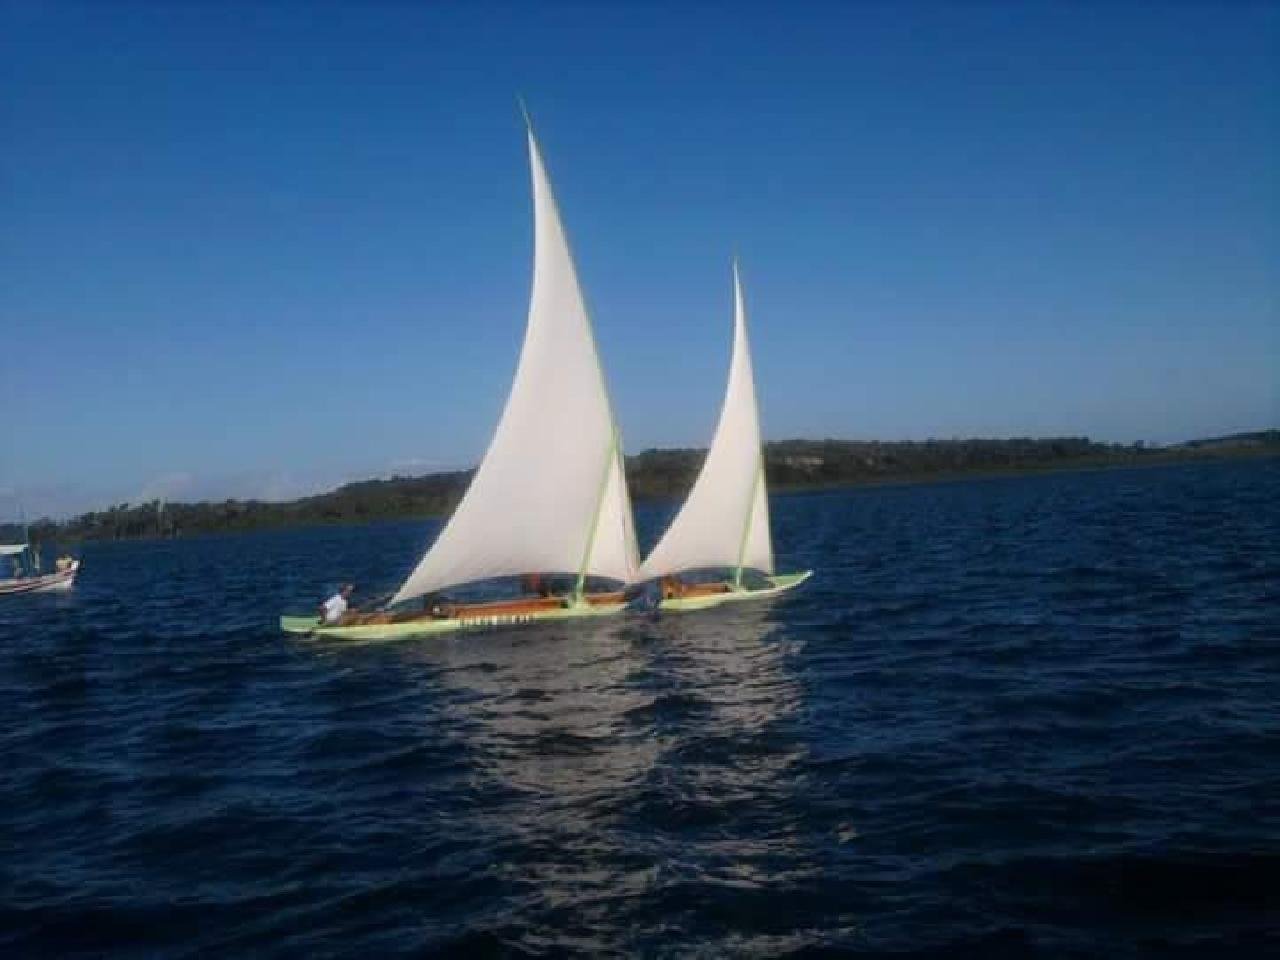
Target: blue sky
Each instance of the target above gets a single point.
(261, 249)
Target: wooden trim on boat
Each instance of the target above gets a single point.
(673, 588)
(519, 606)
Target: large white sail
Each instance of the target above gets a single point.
(725, 520)
(550, 495)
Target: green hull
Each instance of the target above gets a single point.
(781, 583)
(428, 628)
(299, 624)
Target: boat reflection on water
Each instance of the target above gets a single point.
(639, 761)
(545, 710)
(723, 801)
(734, 660)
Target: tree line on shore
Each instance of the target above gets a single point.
(653, 474)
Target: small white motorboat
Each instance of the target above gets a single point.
(26, 576)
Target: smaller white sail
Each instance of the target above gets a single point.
(725, 520)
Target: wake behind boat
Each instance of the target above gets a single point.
(545, 499)
(724, 522)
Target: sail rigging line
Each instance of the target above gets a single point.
(746, 526)
(610, 461)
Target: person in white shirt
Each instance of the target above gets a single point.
(331, 610)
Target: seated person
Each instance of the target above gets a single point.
(536, 583)
(333, 609)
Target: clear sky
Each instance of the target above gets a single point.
(256, 249)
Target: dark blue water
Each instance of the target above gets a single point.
(1016, 717)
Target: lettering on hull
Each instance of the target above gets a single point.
(495, 621)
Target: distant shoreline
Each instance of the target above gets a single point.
(793, 466)
(1146, 462)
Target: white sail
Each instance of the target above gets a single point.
(725, 520)
(550, 495)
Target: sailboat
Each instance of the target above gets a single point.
(550, 495)
(724, 522)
